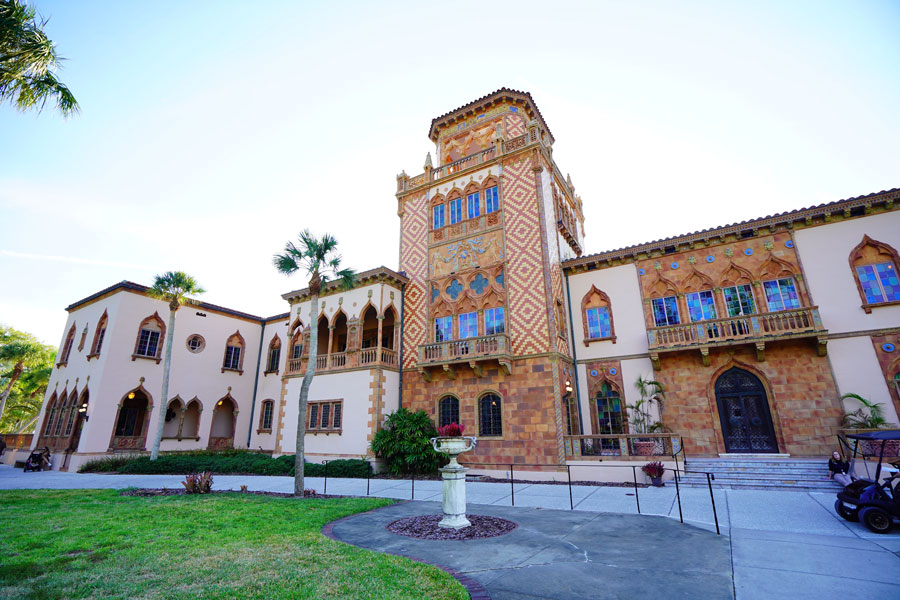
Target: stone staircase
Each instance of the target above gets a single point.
(762, 472)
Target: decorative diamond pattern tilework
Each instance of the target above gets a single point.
(414, 260)
(514, 125)
(527, 297)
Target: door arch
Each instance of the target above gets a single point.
(747, 425)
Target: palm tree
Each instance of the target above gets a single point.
(651, 391)
(868, 416)
(319, 258)
(174, 287)
(22, 351)
(28, 60)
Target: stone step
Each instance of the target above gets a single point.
(790, 471)
(763, 476)
(767, 485)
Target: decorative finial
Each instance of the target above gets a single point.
(340, 300)
(141, 380)
(729, 252)
(769, 245)
(428, 164)
(229, 389)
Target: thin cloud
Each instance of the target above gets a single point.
(74, 259)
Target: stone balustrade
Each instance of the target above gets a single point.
(639, 445)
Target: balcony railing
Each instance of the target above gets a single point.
(463, 163)
(634, 444)
(344, 360)
(468, 349)
(786, 323)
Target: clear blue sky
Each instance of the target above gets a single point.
(212, 132)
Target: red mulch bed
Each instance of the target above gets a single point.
(425, 527)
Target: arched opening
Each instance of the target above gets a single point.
(67, 346)
(221, 433)
(174, 413)
(610, 414)
(266, 413)
(80, 413)
(369, 337)
(50, 415)
(388, 339)
(744, 413)
(190, 424)
(339, 341)
(273, 357)
(131, 422)
(70, 416)
(490, 415)
(322, 342)
(99, 335)
(448, 410)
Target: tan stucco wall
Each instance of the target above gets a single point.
(856, 371)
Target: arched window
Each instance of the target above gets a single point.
(491, 196)
(473, 202)
(99, 334)
(50, 415)
(173, 418)
(150, 336)
(67, 347)
(83, 338)
(596, 314)
(70, 416)
(63, 414)
(132, 415)
(438, 212)
(448, 410)
(455, 207)
(296, 339)
(234, 353)
(274, 356)
(190, 422)
(490, 415)
(610, 418)
(265, 415)
(875, 265)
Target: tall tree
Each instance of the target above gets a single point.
(173, 287)
(28, 62)
(21, 351)
(318, 257)
(26, 397)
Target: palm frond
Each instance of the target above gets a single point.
(175, 286)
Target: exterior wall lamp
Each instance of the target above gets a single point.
(82, 410)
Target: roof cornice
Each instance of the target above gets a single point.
(364, 278)
(486, 102)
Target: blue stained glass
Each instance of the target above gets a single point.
(500, 279)
(665, 311)
(443, 329)
(869, 281)
(468, 325)
(514, 109)
(598, 322)
(438, 216)
(453, 290)
(434, 293)
(739, 300)
(491, 200)
(494, 321)
(479, 283)
(473, 202)
(889, 282)
(701, 306)
(455, 210)
(781, 294)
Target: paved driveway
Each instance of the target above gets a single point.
(782, 544)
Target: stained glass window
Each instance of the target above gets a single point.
(438, 216)
(448, 411)
(781, 294)
(494, 321)
(455, 210)
(274, 359)
(473, 203)
(701, 306)
(665, 311)
(598, 322)
(453, 290)
(491, 200)
(468, 325)
(443, 329)
(879, 282)
(739, 300)
(490, 415)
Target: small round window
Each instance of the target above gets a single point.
(196, 343)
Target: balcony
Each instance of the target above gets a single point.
(339, 361)
(473, 352)
(752, 329)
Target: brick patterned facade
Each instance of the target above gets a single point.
(531, 427)
(414, 261)
(803, 398)
(528, 325)
(889, 362)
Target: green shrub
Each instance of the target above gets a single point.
(224, 462)
(405, 443)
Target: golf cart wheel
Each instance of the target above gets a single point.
(850, 514)
(876, 519)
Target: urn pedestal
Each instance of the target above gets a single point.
(454, 476)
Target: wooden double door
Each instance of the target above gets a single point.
(744, 413)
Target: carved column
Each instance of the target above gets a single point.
(378, 345)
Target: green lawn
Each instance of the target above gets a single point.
(95, 543)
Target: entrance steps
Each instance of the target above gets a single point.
(762, 472)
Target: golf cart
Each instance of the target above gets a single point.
(874, 502)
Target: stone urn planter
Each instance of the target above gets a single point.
(454, 474)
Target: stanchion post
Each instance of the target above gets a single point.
(712, 499)
(512, 486)
(569, 473)
(678, 496)
(412, 495)
(326, 477)
(636, 498)
(368, 479)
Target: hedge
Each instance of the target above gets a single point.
(225, 462)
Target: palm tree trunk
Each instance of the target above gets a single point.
(17, 371)
(163, 404)
(299, 458)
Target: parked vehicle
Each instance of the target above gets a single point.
(39, 460)
(874, 502)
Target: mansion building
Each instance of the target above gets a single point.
(496, 318)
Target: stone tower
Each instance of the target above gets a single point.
(486, 329)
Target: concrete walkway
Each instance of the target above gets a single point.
(783, 544)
